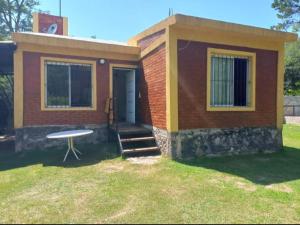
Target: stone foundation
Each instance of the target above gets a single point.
(180, 145)
(218, 142)
(33, 138)
(163, 141)
(162, 138)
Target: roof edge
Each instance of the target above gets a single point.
(192, 22)
(58, 41)
(196, 22)
(153, 29)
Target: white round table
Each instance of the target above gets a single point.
(70, 135)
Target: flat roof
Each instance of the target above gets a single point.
(74, 43)
(92, 40)
(191, 22)
(131, 49)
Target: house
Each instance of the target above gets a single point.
(203, 87)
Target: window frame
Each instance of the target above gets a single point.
(93, 64)
(252, 76)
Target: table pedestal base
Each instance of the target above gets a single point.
(71, 148)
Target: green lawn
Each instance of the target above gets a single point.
(37, 188)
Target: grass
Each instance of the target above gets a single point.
(102, 188)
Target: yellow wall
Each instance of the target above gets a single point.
(171, 81)
(35, 22)
(210, 32)
(218, 37)
(280, 87)
(18, 89)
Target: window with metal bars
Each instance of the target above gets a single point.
(230, 81)
(68, 85)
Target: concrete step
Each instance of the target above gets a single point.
(149, 149)
(126, 140)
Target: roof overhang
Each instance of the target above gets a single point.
(196, 23)
(65, 43)
(7, 49)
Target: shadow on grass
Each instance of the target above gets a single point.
(92, 154)
(263, 169)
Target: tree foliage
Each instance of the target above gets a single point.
(15, 16)
(6, 101)
(288, 13)
(292, 70)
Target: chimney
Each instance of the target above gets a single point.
(49, 24)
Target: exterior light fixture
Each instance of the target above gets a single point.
(102, 61)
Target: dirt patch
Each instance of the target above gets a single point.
(146, 171)
(246, 187)
(37, 193)
(175, 192)
(113, 168)
(150, 160)
(280, 188)
(221, 180)
(214, 181)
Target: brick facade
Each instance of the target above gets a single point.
(147, 41)
(45, 21)
(153, 88)
(192, 59)
(33, 116)
(192, 70)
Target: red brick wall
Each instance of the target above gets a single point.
(153, 88)
(46, 20)
(192, 63)
(32, 95)
(147, 41)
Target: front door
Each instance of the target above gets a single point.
(130, 96)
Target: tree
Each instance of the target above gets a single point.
(289, 13)
(6, 101)
(15, 16)
(292, 70)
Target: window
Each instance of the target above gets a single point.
(68, 85)
(231, 80)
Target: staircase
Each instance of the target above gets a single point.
(136, 141)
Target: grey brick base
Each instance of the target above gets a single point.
(33, 138)
(218, 142)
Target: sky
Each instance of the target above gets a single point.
(119, 20)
